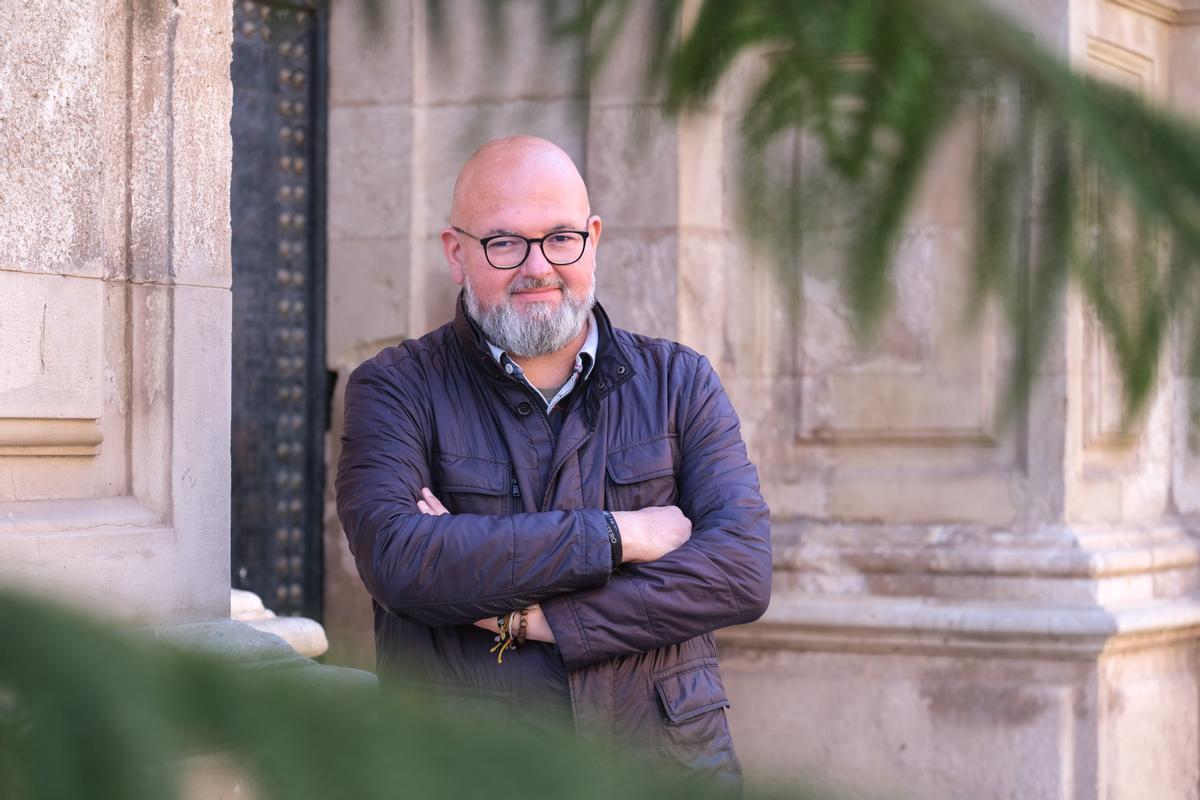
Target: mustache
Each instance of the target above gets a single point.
(521, 284)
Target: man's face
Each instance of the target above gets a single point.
(537, 307)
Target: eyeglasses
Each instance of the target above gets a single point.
(506, 251)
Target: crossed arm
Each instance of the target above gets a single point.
(647, 535)
(538, 629)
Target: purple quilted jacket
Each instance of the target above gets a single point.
(634, 667)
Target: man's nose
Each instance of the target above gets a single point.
(535, 264)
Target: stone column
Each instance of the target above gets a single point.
(964, 608)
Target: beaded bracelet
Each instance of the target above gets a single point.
(522, 626)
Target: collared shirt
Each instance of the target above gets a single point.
(585, 359)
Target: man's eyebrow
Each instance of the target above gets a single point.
(562, 226)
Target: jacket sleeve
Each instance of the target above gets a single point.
(719, 577)
(456, 568)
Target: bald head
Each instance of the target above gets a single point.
(507, 174)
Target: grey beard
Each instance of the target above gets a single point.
(537, 332)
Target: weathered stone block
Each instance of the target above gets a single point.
(879, 725)
(703, 192)
(53, 136)
(637, 280)
(200, 455)
(371, 66)
(370, 172)
(465, 42)
(622, 78)
(368, 295)
(201, 145)
(53, 330)
(633, 166)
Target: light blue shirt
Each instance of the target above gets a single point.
(585, 359)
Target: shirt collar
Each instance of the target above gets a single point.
(585, 359)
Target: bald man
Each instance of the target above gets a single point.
(552, 514)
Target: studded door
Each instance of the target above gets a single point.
(279, 379)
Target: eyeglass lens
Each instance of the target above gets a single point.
(561, 248)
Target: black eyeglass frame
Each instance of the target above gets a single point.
(528, 246)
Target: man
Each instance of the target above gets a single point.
(530, 467)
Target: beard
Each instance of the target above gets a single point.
(539, 329)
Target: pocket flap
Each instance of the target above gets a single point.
(474, 474)
(692, 692)
(642, 461)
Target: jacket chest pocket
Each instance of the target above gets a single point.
(472, 484)
(642, 475)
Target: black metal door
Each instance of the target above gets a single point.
(280, 384)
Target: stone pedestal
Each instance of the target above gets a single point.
(943, 662)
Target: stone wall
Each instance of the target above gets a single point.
(114, 305)
(963, 607)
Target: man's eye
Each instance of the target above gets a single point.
(502, 244)
(561, 238)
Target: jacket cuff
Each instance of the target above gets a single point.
(569, 635)
(595, 545)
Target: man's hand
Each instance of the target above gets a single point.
(651, 533)
(428, 504)
(536, 627)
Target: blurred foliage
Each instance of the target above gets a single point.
(87, 711)
(1076, 181)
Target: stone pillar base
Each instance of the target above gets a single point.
(1066, 673)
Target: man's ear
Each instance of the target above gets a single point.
(594, 229)
(455, 255)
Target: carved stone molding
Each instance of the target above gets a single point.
(1058, 565)
(1059, 592)
(50, 437)
(913, 625)
(1172, 12)
(1168, 11)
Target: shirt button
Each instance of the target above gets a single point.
(508, 368)
(523, 408)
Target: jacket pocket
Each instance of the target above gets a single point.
(690, 693)
(642, 475)
(472, 484)
(695, 732)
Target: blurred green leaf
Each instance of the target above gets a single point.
(89, 711)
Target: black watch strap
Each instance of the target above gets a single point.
(614, 539)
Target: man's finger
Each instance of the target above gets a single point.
(435, 505)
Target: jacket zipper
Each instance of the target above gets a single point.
(514, 497)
